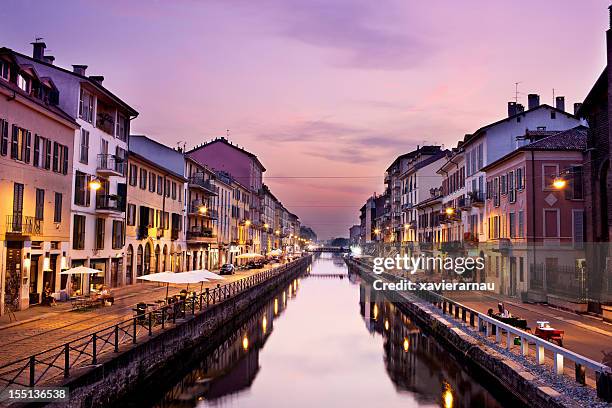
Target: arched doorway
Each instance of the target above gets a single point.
(157, 257)
(165, 258)
(129, 262)
(147, 258)
(139, 261)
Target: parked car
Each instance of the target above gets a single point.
(227, 269)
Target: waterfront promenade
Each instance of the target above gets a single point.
(42, 327)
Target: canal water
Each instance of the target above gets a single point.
(324, 341)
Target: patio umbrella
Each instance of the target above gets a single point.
(171, 277)
(275, 252)
(80, 270)
(249, 255)
(206, 274)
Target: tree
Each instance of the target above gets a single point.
(308, 233)
(340, 242)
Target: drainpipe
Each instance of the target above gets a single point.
(533, 216)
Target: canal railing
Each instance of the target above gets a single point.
(493, 327)
(59, 362)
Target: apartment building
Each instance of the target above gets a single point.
(493, 141)
(99, 156)
(155, 213)
(429, 226)
(222, 204)
(294, 233)
(535, 205)
(417, 179)
(202, 215)
(241, 229)
(36, 146)
(222, 155)
(269, 203)
(453, 197)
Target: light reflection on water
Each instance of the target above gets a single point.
(323, 341)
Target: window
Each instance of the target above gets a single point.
(4, 137)
(520, 181)
(37, 160)
(173, 190)
(575, 189)
(4, 70)
(133, 174)
(578, 223)
(512, 225)
(131, 214)
(64, 159)
(20, 144)
(60, 158)
(511, 190)
(553, 115)
(152, 178)
(549, 172)
(39, 212)
(551, 223)
(100, 226)
(57, 211)
(86, 102)
(480, 156)
(78, 232)
(122, 130)
(81, 189)
(47, 155)
(160, 185)
(167, 189)
(143, 178)
(23, 83)
(84, 151)
(167, 220)
(118, 234)
(56, 157)
(521, 224)
(521, 270)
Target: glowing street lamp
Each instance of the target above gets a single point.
(559, 183)
(247, 223)
(266, 226)
(277, 232)
(377, 231)
(202, 209)
(449, 211)
(95, 184)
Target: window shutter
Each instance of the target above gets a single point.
(4, 143)
(36, 160)
(14, 145)
(27, 146)
(65, 160)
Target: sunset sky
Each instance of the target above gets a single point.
(321, 88)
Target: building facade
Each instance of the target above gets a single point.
(36, 146)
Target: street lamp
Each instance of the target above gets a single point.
(247, 223)
(449, 211)
(266, 226)
(559, 183)
(277, 232)
(95, 184)
(202, 209)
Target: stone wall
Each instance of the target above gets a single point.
(117, 374)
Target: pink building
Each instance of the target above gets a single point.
(535, 230)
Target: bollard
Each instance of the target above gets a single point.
(604, 386)
(580, 374)
(539, 354)
(558, 363)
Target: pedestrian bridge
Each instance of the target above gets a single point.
(328, 275)
(329, 249)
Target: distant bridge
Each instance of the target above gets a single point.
(330, 249)
(328, 275)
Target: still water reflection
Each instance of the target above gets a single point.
(326, 340)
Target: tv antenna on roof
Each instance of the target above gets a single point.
(37, 39)
(516, 91)
(227, 132)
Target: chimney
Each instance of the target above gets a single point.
(533, 101)
(49, 59)
(520, 108)
(79, 69)
(511, 109)
(38, 52)
(97, 78)
(577, 107)
(560, 103)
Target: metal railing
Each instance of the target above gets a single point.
(199, 181)
(493, 327)
(111, 163)
(19, 224)
(55, 364)
(109, 202)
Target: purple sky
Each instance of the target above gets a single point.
(325, 87)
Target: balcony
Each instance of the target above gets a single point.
(110, 165)
(20, 225)
(197, 210)
(406, 206)
(464, 203)
(476, 199)
(204, 185)
(109, 203)
(199, 234)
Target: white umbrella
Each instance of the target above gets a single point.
(206, 274)
(80, 270)
(249, 255)
(275, 252)
(171, 277)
